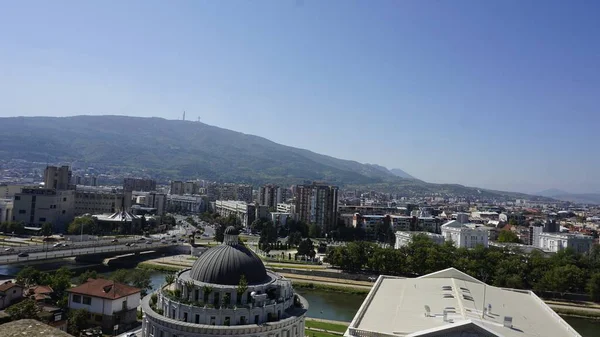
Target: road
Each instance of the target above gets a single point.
(76, 251)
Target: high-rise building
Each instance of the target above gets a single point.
(58, 178)
(317, 203)
(190, 187)
(270, 196)
(244, 193)
(137, 184)
(176, 187)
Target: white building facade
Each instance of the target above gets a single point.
(465, 235)
(404, 238)
(555, 242)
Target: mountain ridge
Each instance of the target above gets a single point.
(176, 149)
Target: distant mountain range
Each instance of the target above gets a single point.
(399, 173)
(176, 149)
(580, 198)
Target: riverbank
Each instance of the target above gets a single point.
(179, 262)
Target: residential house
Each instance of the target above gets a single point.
(10, 293)
(109, 303)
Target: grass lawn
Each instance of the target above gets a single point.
(293, 266)
(311, 333)
(325, 325)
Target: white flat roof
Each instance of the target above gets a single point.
(396, 307)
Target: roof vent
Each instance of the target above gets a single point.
(508, 322)
(107, 288)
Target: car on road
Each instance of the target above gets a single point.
(114, 240)
(65, 245)
(9, 249)
(56, 245)
(163, 241)
(23, 255)
(128, 244)
(132, 334)
(173, 241)
(148, 242)
(141, 239)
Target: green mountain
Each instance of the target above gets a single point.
(175, 149)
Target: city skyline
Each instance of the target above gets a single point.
(493, 95)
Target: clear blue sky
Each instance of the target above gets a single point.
(500, 94)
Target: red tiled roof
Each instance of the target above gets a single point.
(8, 285)
(104, 289)
(41, 290)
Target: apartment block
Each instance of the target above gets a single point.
(242, 210)
(317, 203)
(57, 177)
(138, 184)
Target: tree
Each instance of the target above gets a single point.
(120, 275)
(143, 223)
(294, 239)
(140, 278)
(257, 225)
(563, 279)
(508, 236)
(30, 276)
(60, 281)
(86, 221)
(77, 321)
(46, 229)
(314, 231)
(219, 232)
(306, 248)
(593, 286)
(88, 274)
(241, 288)
(169, 279)
(23, 310)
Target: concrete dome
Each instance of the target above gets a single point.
(225, 264)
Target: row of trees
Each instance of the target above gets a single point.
(563, 272)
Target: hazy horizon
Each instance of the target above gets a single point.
(498, 95)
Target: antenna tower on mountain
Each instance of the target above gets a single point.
(183, 114)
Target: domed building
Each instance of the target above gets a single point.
(229, 292)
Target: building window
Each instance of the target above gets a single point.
(242, 320)
(197, 319)
(124, 305)
(185, 316)
(64, 199)
(22, 211)
(42, 219)
(256, 319)
(77, 298)
(212, 320)
(87, 300)
(17, 197)
(63, 211)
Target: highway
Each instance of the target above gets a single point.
(83, 250)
